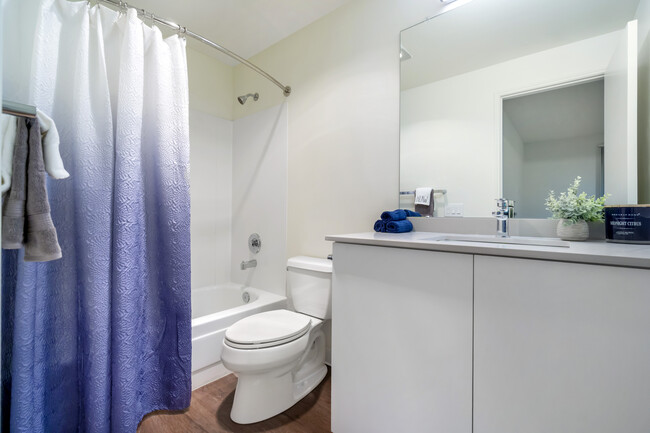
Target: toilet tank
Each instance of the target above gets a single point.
(309, 286)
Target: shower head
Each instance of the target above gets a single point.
(242, 99)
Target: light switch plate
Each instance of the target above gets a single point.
(454, 210)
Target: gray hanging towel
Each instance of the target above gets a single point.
(13, 209)
(27, 211)
(41, 241)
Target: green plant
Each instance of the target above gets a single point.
(573, 207)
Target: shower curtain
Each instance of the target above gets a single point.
(97, 339)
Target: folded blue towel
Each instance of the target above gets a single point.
(380, 226)
(398, 214)
(399, 226)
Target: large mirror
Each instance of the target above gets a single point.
(537, 93)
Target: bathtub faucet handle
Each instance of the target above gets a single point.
(254, 243)
(245, 264)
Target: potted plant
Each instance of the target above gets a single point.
(574, 211)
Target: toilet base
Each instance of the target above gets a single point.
(307, 385)
(262, 396)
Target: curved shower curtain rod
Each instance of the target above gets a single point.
(286, 90)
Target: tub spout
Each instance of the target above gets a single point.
(245, 264)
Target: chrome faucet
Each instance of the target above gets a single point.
(501, 214)
(248, 264)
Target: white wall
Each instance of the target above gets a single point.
(260, 197)
(643, 15)
(211, 84)
(211, 137)
(211, 189)
(553, 165)
(20, 22)
(451, 134)
(344, 120)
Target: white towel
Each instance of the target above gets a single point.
(7, 141)
(51, 155)
(423, 196)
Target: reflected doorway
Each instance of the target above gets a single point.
(549, 137)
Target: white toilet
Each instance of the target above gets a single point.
(279, 356)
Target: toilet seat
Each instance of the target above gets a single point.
(268, 329)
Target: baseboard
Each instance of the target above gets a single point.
(208, 374)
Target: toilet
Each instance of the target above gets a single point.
(279, 356)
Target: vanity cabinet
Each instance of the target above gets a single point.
(456, 338)
(402, 340)
(560, 347)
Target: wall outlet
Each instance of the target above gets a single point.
(454, 209)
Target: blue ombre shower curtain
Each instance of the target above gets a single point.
(97, 339)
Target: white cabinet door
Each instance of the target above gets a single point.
(401, 341)
(560, 347)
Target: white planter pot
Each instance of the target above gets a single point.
(569, 231)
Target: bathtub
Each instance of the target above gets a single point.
(214, 309)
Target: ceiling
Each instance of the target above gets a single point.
(486, 32)
(568, 112)
(245, 27)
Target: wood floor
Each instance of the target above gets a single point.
(209, 412)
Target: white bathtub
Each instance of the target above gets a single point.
(214, 309)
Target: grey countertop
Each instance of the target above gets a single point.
(592, 252)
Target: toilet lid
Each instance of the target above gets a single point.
(268, 329)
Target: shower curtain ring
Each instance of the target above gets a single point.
(123, 6)
(182, 31)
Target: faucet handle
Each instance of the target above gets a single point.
(502, 208)
(502, 203)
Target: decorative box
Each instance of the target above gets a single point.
(628, 224)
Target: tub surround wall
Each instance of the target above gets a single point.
(211, 141)
(260, 197)
(211, 137)
(239, 182)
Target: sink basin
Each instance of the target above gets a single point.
(513, 240)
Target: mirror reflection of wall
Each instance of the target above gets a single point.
(454, 85)
(549, 138)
